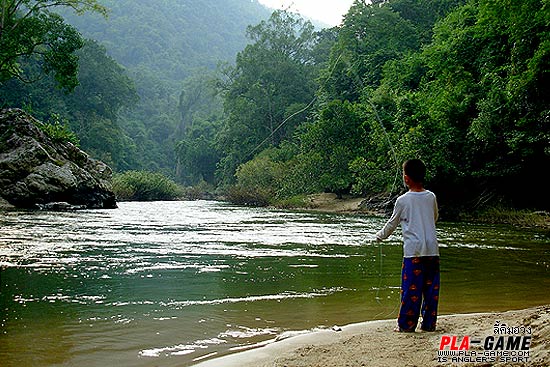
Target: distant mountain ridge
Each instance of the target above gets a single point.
(163, 44)
(172, 38)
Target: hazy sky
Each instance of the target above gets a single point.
(327, 11)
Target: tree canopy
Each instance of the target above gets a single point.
(291, 110)
(462, 85)
(30, 30)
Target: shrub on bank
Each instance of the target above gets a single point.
(499, 214)
(200, 191)
(241, 195)
(258, 181)
(145, 186)
(58, 130)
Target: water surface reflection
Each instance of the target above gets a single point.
(166, 283)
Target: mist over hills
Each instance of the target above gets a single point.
(171, 37)
(165, 46)
(298, 111)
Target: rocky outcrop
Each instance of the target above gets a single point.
(38, 172)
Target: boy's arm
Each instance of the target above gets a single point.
(391, 224)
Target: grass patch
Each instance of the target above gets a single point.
(504, 215)
(294, 202)
(145, 186)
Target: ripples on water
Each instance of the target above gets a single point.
(169, 283)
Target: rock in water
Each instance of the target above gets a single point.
(36, 170)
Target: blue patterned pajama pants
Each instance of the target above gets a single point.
(419, 293)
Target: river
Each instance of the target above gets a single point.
(173, 283)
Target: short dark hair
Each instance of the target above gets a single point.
(415, 169)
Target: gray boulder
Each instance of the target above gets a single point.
(36, 170)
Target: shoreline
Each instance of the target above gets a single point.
(374, 343)
(383, 206)
(328, 203)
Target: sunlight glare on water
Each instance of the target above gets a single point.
(171, 283)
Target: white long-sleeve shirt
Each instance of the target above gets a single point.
(417, 212)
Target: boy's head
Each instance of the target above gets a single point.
(415, 170)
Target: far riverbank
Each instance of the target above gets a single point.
(331, 203)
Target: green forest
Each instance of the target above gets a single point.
(266, 107)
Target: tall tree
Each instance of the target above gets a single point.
(91, 110)
(29, 30)
(370, 36)
(474, 102)
(272, 82)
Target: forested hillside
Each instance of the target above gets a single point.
(143, 69)
(462, 84)
(171, 39)
(171, 50)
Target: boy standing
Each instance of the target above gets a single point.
(417, 212)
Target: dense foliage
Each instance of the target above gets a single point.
(145, 186)
(464, 87)
(142, 74)
(91, 111)
(461, 84)
(268, 89)
(169, 49)
(58, 131)
(29, 31)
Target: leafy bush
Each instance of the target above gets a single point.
(201, 191)
(258, 181)
(275, 177)
(241, 195)
(145, 186)
(58, 130)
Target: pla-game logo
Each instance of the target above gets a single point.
(506, 345)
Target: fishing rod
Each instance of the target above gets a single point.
(308, 106)
(390, 144)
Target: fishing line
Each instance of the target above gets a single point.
(281, 125)
(392, 149)
(380, 275)
(390, 144)
(390, 193)
(309, 105)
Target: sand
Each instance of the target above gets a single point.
(375, 343)
(329, 203)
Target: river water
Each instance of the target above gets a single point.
(174, 283)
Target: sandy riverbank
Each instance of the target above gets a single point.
(376, 344)
(382, 206)
(330, 203)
